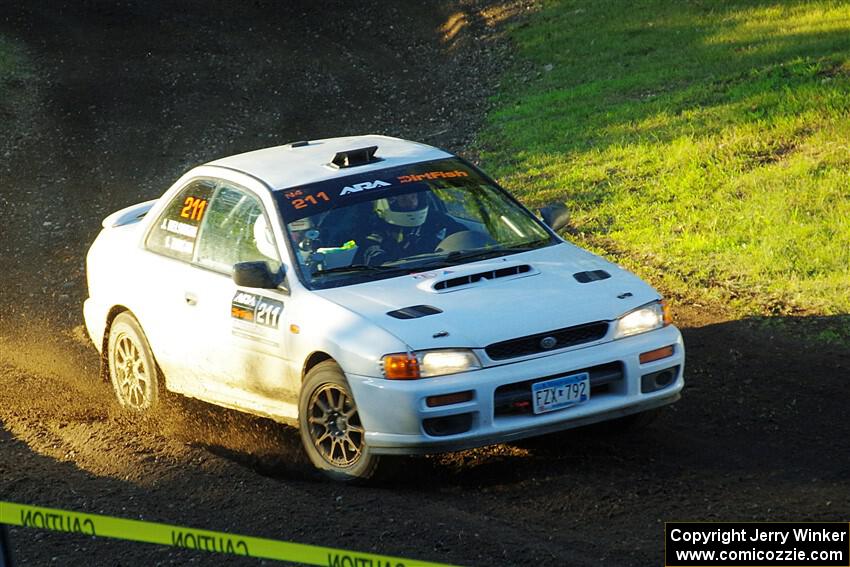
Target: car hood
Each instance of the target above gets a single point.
(499, 299)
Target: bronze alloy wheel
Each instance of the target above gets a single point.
(132, 369)
(335, 426)
(333, 436)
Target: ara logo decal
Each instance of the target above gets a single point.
(357, 187)
(245, 299)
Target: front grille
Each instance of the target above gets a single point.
(570, 336)
(515, 399)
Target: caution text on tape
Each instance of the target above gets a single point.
(189, 538)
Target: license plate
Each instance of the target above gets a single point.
(560, 393)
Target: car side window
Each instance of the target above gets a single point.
(236, 230)
(176, 231)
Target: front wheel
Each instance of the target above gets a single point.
(132, 369)
(331, 431)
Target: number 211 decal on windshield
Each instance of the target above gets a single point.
(310, 200)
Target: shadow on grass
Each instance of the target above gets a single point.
(636, 78)
(619, 91)
(710, 137)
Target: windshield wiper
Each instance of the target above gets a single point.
(453, 258)
(533, 245)
(459, 256)
(492, 252)
(475, 254)
(360, 268)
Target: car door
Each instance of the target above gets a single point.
(244, 362)
(165, 309)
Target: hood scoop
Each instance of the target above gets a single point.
(591, 276)
(414, 312)
(450, 282)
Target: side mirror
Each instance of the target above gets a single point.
(556, 215)
(255, 274)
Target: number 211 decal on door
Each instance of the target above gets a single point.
(256, 309)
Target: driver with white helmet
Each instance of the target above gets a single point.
(406, 226)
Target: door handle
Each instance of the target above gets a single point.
(191, 298)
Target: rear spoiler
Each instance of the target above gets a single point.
(128, 215)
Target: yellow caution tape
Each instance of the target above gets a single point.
(190, 538)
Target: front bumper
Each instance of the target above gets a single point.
(399, 421)
(94, 316)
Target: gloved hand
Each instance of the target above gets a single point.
(374, 255)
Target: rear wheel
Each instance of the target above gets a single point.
(331, 431)
(132, 369)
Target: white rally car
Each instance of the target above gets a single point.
(385, 296)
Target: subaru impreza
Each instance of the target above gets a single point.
(384, 296)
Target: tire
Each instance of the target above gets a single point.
(132, 367)
(330, 427)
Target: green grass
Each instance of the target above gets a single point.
(705, 144)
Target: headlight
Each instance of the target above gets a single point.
(647, 318)
(428, 363)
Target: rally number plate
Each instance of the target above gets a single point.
(560, 393)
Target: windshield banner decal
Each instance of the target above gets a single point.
(300, 202)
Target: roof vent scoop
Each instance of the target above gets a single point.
(353, 158)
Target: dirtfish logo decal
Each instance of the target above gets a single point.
(357, 187)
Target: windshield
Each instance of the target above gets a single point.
(402, 220)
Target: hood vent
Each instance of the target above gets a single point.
(595, 275)
(414, 312)
(460, 281)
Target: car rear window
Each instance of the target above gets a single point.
(176, 231)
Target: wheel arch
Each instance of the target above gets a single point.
(104, 341)
(312, 360)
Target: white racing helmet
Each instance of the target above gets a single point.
(408, 210)
(263, 238)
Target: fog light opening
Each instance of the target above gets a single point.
(656, 381)
(663, 379)
(449, 425)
